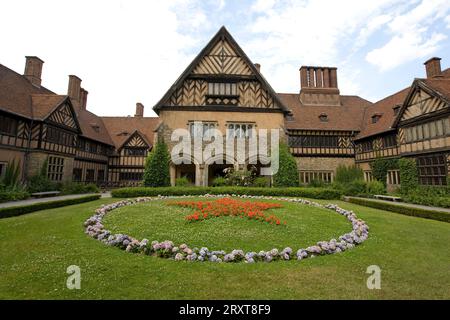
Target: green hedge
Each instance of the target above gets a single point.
(315, 193)
(398, 208)
(19, 210)
(6, 196)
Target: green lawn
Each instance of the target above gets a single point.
(37, 248)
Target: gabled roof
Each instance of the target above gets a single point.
(221, 34)
(438, 87)
(93, 127)
(346, 117)
(16, 92)
(44, 104)
(131, 136)
(118, 126)
(384, 108)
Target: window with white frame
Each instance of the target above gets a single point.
(199, 129)
(240, 130)
(393, 177)
(309, 176)
(368, 176)
(55, 169)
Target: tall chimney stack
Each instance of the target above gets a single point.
(139, 110)
(83, 98)
(74, 90)
(433, 67)
(318, 86)
(33, 70)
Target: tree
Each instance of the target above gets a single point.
(287, 175)
(156, 172)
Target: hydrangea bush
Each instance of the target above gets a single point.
(167, 249)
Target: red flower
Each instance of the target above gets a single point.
(228, 206)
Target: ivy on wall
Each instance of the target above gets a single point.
(380, 168)
(408, 174)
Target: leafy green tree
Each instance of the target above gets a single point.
(156, 172)
(287, 175)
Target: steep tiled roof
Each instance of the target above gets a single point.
(16, 91)
(440, 85)
(93, 127)
(44, 104)
(121, 128)
(347, 116)
(384, 108)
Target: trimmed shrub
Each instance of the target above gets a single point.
(241, 178)
(429, 195)
(376, 187)
(182, 182)
(13, 195)
(287, 175)
(156, 172)
(346, 175)
(355, 188)
(19, 210)
(398, 208)
(317, 184)
(40, 182)
(219, 182)
(408, 174)
(261, 182)
(380, 168)
(314, 193)
(78, 188)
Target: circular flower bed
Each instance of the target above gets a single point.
(167, 249)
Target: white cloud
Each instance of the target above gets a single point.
(404, 48)
(263, 5)
(124, 51)
(447, 20)
(290, 34)
(411, 37)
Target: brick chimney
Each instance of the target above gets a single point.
(139, 110)
(33, 70)
(258, 67)
(319, 86)
(83, 98)
(433, 67)
(74, 90)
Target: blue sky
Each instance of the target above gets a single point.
(129, 51)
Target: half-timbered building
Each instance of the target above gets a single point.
(223, 89)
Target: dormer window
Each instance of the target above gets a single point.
(96, 127)
(376, 117)
(323, 117)
(222, 93)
